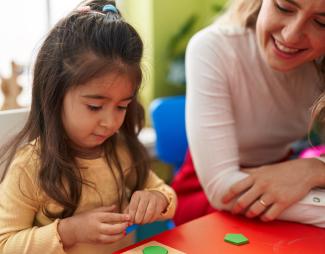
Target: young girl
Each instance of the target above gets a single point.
(83, 177)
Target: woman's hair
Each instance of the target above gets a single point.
(241, 12)
(81, 46)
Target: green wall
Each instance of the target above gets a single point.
(158, 21)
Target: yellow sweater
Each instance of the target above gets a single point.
(25, 229)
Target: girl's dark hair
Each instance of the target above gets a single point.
(81, 46)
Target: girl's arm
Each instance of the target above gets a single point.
(18, 208)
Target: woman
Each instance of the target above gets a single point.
(252, 78)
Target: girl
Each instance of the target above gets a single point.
(252, 78)
(83, 177)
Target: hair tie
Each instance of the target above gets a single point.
(110, 7)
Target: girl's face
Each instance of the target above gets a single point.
(291, 32)
(94, 111)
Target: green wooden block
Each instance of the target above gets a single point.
(154, 250)
(237, 239)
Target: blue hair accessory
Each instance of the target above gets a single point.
(110, 7)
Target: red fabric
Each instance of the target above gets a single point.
(192, 202)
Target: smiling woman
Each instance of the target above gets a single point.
(291, 33)
(252, 78)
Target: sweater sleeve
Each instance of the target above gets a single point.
(210, 121)
(18, 208)
(154, 183)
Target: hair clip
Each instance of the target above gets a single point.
(110, 7)
(84, 8)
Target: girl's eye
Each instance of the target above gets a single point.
(94, 108)
(122, 108)
(321, 24)
(282, 9)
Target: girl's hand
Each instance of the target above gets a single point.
(146, 206)
(100, 225)
(269, 190)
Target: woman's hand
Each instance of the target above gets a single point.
(146, 206)
(100, 225)
(269, 190)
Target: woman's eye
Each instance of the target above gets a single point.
(94, 108)
(282, 9)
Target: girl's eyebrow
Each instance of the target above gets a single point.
(101, 97)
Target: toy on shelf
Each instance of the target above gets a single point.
(11, 88)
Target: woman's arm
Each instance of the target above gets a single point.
(210, 122)
(271, 189)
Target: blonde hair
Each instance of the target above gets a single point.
(241, 12)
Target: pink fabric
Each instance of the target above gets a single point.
(315, 151)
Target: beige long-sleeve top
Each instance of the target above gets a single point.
(24, 228)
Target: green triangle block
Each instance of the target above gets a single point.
(154, 250)
(237, 239)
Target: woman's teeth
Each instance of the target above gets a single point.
(284, 48)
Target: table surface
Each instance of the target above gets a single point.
(206, 234)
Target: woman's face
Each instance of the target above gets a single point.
(291, 32)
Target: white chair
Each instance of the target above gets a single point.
(11, 122)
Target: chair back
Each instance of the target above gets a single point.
(168, 119)
(11, 122)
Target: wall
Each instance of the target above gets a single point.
(157, 21)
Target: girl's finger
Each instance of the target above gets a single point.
(110, 218)
(238, 188)
(133, 206)
(150, 211)
(141, 211)
(113, 229)
(103, 238)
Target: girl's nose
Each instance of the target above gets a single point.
(108, 121)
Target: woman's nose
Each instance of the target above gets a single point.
(293, 32)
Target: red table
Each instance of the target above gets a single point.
(205, 235)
